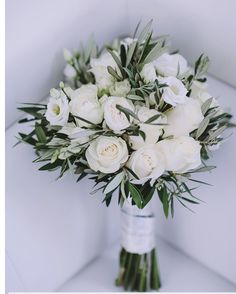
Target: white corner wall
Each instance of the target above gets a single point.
(194, 27)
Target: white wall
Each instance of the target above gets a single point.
(195, 27)
(36, 33)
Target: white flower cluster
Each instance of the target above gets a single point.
(162, 145)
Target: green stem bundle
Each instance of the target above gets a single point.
(138, 272)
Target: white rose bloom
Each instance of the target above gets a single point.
(183, 119)
(147, 163)
(199, 92)
(168, 64)
(57, 109)
(99, 68)
(181, 154)
(148, 73)
(69, 72)
(152, 132)
(114, 118)
(107, 154)
(175, 93)
(84, 103)
(120, 89)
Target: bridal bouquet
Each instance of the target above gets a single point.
(141, 122)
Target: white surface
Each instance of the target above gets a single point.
(178, 273)
(36, 33)
(194, 27)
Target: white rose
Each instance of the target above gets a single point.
(181, 154)
(175, 93)
(148, 73)
(168, 64)
(99, 68)
(69, 72)
(114, 118)
(152, 132)
(183, 119)
(199, 92)
(147, 163)
(57, 109)
(107, 154)
(84, 103)
(120, 89)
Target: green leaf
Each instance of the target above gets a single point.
(41, 105)
(117, 60)
(149, 195)
(25, 120)
(156, 51)
(152, 119)
(83, 175)
(135, 97)
(201, 65)
(113, 73)
(132, 173)
(143, 35)
(189, 200)
(28, 138)
(107, 199)
(40, 134)
(127, 112)
(203, 169)
(87, 121)
(145, 48)
(200, 182)
(206, 105)
(114, 183)
(123, 55)
(202, 127)
(130, 53)
(163, 195)
(217, 133)
(32, 111)
(142, 134)
(165, 202)
(136, 195)
(51, 166)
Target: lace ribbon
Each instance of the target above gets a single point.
(137, 229)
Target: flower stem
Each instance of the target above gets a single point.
(155, 282)
(138, 272)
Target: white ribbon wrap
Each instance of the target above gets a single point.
(137, 229)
